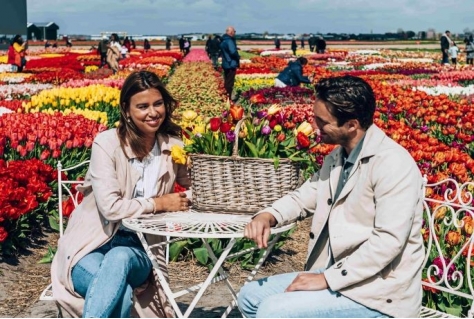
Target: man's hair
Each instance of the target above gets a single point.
(347, 97)
(302, 60)
(447, 31)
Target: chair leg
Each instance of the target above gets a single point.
(60, 312)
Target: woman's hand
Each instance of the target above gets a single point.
(172, 202)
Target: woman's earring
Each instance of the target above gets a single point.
(128, 119)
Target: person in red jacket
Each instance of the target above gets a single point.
(17, 52)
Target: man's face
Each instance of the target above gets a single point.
(231, 32)
(325, 124)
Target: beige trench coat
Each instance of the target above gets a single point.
(374, 225)
(112, 179)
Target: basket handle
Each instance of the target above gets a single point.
(235, 148)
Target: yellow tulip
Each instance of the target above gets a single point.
(305, 128)
(273, 109)
(189, 115)
(178, 154)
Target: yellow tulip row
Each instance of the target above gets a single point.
(85, 98)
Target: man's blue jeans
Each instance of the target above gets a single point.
(265, 298)
(107, 276)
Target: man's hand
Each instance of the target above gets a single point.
(308, 282)
(259, 229)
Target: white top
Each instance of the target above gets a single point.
(147, 185)
(453, 51)
(149, 167)
(123, 50)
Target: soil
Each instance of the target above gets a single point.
(22, 279)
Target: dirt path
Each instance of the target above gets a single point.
(23, 280)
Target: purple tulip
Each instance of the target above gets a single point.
(261, 114)
(424, 128)
(225, 114)
(230, 136)
(438, 262)
(266, 130)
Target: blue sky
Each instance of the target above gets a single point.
(280, 16)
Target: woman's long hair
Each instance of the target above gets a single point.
(128, 132)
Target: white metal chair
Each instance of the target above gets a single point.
(47, 294)
(452, 212)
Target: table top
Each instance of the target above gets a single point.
(193, 224)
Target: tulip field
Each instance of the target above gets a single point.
(63, 99)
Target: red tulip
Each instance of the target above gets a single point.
(225, 127)
(215, 123)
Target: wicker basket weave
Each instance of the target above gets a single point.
(239, 185)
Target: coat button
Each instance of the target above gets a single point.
(344, 272)
(389, 300)
(106, 222)
(329, 201)
(311, 235)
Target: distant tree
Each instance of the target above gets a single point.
(352, 36)
(265, 34)
(410, 34)
(423, 35)
(466, 31)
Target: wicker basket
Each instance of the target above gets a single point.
(239, 185)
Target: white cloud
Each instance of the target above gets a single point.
(178, 16)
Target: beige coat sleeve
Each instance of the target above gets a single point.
(107, 191)
(298, 204)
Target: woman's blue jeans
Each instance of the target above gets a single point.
(265, 298)
(106, 277)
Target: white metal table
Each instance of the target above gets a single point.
(192, 224)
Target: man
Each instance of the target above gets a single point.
(102, 50)
(230, 59)
(214, 50)
(292, 75)
(445, 44)
(312, 42)
(277, 43)
(365, 250)
(181, 44)
(320, 45)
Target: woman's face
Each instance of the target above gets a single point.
(147, 110)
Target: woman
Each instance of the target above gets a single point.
(470, 50)
(99, 263)
(113, 52)
(17, 52)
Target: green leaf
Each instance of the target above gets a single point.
(252, 148)
(276, 162)
(455, 311)
(53, 223)
(176, 248)
(201, 255)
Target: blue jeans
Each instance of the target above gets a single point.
(265, 298)
(107, 276)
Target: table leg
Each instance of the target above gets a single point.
(221, 270)
(253, 273)
(213, 272)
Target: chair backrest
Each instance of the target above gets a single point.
(447, 233)
(67, 185)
